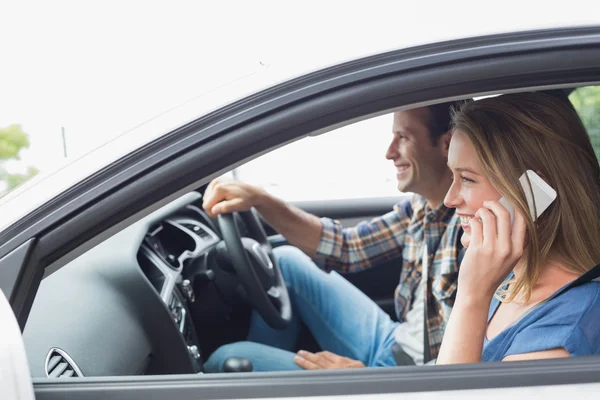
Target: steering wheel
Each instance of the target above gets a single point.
(254, 263)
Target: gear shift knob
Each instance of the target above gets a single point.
(237, 364)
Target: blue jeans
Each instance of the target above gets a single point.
(342, 319)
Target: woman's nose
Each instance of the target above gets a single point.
(452, 200)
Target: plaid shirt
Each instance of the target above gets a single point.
(401, 233)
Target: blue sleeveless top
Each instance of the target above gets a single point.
(570, 321)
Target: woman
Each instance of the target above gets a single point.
(504, 309)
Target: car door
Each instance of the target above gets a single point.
(15, 377)
(189, 157)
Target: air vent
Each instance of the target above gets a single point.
(60, 365)
(198, 230)
(169, 242)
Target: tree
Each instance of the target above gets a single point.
(586, 101)
(12, 140)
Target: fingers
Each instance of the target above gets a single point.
(304, 363)
(325, 360)
(519, 233)
(330, 356)
(502, 219)
(211, 185)
(507, 239)
(512, 235)
(476, 232)
(229, 206)
(308, 360)
(214, 193)
(488, 220)
(223, 196)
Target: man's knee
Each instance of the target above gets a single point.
(287, 253)
(294, 263)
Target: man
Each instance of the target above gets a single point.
(351, 329)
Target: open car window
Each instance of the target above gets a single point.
(349, 161)
(346, 163)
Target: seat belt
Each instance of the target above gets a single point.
(426, 349)
(592, 274)
(425, 275)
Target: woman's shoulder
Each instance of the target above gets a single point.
(571, 321)
(559, 279)
(580, 299)
(585, 292)
(577, 306)
(576, 309)
(579, 309)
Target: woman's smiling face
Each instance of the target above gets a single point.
(470, 188)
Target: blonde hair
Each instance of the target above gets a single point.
(516, 132)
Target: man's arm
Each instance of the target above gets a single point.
(345, 250)
(300, 228)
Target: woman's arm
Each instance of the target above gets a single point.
(494, 249)
(539, 355)
(463, 338)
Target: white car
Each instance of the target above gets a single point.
(116, 278)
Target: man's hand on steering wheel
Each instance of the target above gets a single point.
(224, 196)
(325, 360)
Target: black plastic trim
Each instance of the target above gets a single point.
(350, 208)
(11, 266)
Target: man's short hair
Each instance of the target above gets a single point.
(441, 117)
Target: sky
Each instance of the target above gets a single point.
(99, 68)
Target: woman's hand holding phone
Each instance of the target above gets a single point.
(495, 247)
(498, 238)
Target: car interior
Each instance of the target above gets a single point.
(161, 295)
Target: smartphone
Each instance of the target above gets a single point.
(540, 192)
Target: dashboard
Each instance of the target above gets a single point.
(123, 307)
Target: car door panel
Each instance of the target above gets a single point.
(15, 375)
(490, 381)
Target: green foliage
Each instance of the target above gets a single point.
(586, 101)
(14, 180)
(12, 141)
